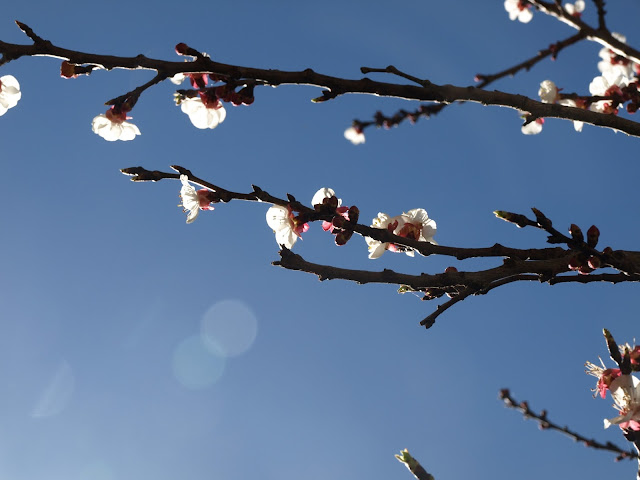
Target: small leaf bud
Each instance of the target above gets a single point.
(541, 218)
(576, 233)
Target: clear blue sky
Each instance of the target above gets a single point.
(105, 292)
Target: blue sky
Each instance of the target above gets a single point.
(107, 297)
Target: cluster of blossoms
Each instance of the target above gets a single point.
(326, 202)
(623, 387)
(204, 108)
(521, 9)
(618, 83)
(288, 227)
(193, 201)
(414, 224)
(9, 93)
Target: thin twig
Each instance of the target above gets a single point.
(545, 424)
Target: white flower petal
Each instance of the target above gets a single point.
(376, 248)
(354, 136)
(531, 128)
(321, 194)
(111, 131)
(548, 92)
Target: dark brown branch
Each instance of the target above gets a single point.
(337, 86)
(543, 265)
(601, 14)
(601, 36)
(430, 319)
(545, 424)
(552, 51)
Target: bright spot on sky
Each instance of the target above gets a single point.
(57, 392)
(195, 364)
(229, 327)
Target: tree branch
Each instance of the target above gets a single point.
(545, 424)
(336, 86)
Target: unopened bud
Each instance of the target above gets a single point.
(450, 270)
(520, 220)
(247, 95)
(607, 250)
(585, 270)
(541, 218)
(338, 221)
(343, 237)
(354, 214)
(593, 234)
(184, 49)
(576, 233)
(574, 263)
(594, 262)
(68, 70)
(235, 99)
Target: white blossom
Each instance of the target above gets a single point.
(354, 135)
(323, 193)
(284, 225)
(600, 86)
(414, 224)
(518, 10)
(201, 116)
(575, 8)
(533, 128)
(612, 63)
(548, 92)
(567, 102)
(112, 129)
(9, 93)
(178, 78)
(190, 200)
(625, 391)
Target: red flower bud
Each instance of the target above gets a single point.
(594, 262)
(68, 70)
(181, 48)
(593, 234)
(574, 263)
(338, 221)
